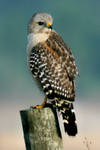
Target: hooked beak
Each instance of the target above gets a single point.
(49, 25)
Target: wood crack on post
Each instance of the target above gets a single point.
(41, 129)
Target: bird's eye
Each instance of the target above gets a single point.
(40, 23)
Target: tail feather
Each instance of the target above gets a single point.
(69, 119)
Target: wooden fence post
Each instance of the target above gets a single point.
(41, 129)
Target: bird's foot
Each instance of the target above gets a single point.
(42, 105)
(37, 107)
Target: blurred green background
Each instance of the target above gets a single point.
(77, 21)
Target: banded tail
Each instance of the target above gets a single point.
(69, 119)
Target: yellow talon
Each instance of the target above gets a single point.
(42, 105)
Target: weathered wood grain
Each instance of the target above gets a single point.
(41, 129)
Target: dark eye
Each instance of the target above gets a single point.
(40, 23)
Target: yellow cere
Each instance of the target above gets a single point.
(49, 24)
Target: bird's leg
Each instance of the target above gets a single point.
(42, 105)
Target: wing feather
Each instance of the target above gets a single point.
(51, 73)
(64, 52)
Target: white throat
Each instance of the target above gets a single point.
(34, 39)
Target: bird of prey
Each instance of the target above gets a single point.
(52, 65)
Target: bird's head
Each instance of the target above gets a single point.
(40, 23)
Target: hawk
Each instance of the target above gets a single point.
(52, 65)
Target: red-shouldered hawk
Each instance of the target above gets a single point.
(52, 65)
